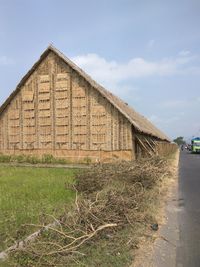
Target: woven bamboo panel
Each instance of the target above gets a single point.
(79, 103)
(62, 103)
(44, 105)
(28, 105)
(79, 129)
(43, 69)
(45, 138)
(109, 130)
(61, 122)
(116, 130)
(98, 122)
(43, 80)
(30, 114)
(44, 125)
(98, 138)
(28, 122)
(165, 149)
(45, 129)
(44, 108)
(13, 129)
(1, 135)
(14, 124)
(14, 114)
(29, 129)
(124, 133)
(62, 130)
(62, 81)
(27, 117)
(44, 87)
(79, 111)
(61, 95)
(60, 66)
(27, 96)
(44, 114)
(29, 139)
(62, 138)
(128, 144)
(44, 96)
(62, 113)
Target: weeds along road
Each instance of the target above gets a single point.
(188, 252)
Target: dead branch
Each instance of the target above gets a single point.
(70, 248)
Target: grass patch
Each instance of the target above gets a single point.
(27, 194)
(45, 159)
(124, 195)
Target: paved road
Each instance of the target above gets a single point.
(188, 252)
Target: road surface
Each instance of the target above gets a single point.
(188, 251)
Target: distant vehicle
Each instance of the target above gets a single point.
(195, 142)
(186, 147)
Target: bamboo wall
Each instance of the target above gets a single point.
(57, 112)
(147, 146)
(165, 149)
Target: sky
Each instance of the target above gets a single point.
(146, 52)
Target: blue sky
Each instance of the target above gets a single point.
(146, 52)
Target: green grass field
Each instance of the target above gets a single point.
(28, 195)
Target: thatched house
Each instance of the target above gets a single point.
(58, 109)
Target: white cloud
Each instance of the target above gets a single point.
(110, 73)
(5, 61)
(120, 78)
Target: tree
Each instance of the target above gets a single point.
(179, 140)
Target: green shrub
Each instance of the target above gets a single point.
(33, 159)
(47, 158)
(87, 160)
(61, 161)
(5, 158)
(18, 158)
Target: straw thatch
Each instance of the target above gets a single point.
(58, 107)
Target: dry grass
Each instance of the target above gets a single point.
(146, 254)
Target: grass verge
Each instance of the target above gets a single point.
(27, 195)
(44, 159)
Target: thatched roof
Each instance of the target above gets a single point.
(140, 123)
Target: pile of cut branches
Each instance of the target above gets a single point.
(113, 201)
